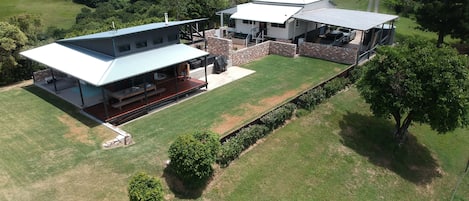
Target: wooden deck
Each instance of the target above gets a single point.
(173, 89)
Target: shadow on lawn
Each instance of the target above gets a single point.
(62, 105)
(179, 189)
(373, 138)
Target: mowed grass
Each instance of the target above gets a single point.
(58, 13)
(341, 152)
(51, 152)
(226, 108)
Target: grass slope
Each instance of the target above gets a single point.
(340, 152)
(58, 13)
(51, 152)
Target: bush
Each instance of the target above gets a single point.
(277, 117)
(192, 156)
(145, 187)
(335, 85)
(355, 74)
(246, 137)
(249, 135)
(311, 98)
(209, 139)
(230, 150)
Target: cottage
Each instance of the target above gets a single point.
(313, 21)
(120, 74)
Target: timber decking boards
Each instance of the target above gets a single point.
(171, 91)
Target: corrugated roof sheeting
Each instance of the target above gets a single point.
(353, 19)
(131, 30)
(99, 69)
(265, 13)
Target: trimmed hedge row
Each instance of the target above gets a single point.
(277, 117)
(232, 148)
(244, 138)
(315, 96)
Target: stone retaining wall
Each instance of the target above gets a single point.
(282, 48)
(220, 46)
(249, 54)
(330, 53)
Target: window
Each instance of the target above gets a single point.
(157, 40)
(173, 37)
(248, 22)
(277, 25)
(141, 44)
(124, 48)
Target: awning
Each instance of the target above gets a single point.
(265, 13)
(99, 69)
(359, 20)
(229, 11)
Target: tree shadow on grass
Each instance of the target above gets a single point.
(178, 187)
(373, 138)
(62, 105)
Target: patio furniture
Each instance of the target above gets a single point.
(133, 94)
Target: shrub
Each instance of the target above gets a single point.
(249, 135)
(355, 74)
(246, 137)
(209, 139)
(230, 150)
(335, 85)
(145, 187)
(192, 156)
(311, 98)
(277, 117)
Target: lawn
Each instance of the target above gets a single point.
(51, 152)
(58, 13)
(341, 152)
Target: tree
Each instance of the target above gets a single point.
(143, 187)
(30, 25)
(192, 156)
(444, 17)
(430, 85)
(12, 40)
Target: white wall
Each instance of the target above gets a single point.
(290, 31)
(244, 28)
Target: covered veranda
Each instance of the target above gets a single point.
(373, 29)
(117, 89)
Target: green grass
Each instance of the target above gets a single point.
(51, 152)
(58, 13)
(341, 152)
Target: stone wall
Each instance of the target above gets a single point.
(220, 46)
(210, 33)
(330, 53)
(282, 48)
(249, 54)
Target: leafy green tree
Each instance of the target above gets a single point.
(192, 156)
(12, 40)
(30, 25)
(143, 187)
(448, 17)
(430, 86)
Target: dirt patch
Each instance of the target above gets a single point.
(230, 122)
(16, 85)
(76, 131)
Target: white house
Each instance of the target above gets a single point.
(293, 19)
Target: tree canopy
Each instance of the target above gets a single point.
(448, 17)
(430, 86)
(12, 40)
